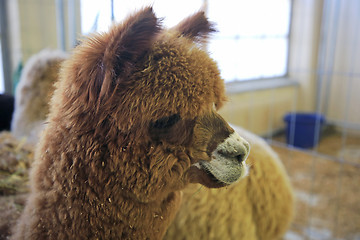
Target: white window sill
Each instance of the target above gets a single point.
(259, 84)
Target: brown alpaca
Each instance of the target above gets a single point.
(131, 123)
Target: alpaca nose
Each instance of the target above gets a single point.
(234, 147)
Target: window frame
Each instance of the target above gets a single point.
(5, 48)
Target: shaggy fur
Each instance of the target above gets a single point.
(130, 117)
(259, 207)
(33, 93)
(226, 213)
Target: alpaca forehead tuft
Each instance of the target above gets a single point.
(181, 77)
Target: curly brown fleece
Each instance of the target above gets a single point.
(106, 166)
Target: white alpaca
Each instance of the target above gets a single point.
(33, 93)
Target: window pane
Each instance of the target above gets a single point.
(273, 56)
(2, 84)
(95, 15)
(250, 18)
(249, 58)
(171, 11)
(252, 41)
(226, 52)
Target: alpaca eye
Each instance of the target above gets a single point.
(166, 122)
(163, 130)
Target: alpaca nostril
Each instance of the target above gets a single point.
(234, 147)
(240, 157)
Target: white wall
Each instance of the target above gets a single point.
(340, 70)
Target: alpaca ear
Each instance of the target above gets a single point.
(196, 27)
(125, 43)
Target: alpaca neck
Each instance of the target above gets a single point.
(138, 220)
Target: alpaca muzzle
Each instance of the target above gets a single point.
(227, 164)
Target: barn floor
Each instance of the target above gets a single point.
(327, 189)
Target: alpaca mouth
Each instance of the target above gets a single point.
(226, 173)
(219, 172)
(198, 174)
(211, 178)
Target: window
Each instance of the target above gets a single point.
(253, 37)
(96, 15)
(2, 84)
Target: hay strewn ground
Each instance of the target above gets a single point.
(15, 159)
(327, 189)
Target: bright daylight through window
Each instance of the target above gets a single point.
(253, 38)
(2, 84)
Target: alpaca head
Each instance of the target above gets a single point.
(152, 95)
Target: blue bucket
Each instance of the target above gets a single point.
(303, 129)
